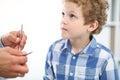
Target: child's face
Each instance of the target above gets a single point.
(72, 24)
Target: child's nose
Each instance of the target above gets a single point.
(63, 21)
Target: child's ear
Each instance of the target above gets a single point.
(93, 26)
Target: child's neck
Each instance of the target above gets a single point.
(79, 45)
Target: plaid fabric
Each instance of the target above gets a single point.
(95, 62)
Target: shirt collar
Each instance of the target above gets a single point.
(67, 45)
(89, 49)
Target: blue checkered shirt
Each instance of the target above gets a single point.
(95, 62)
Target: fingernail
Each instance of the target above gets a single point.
(17, 40)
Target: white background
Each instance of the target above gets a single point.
(41, 21)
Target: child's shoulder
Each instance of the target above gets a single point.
(103, 47)
(97, 44)
(58, 44)
(59, 41)
(105, 50)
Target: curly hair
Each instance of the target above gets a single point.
(93, 10)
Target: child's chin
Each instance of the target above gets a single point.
(64, 36)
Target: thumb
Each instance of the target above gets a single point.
(17, 40)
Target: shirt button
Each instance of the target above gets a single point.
(71, 74)
(74, 57)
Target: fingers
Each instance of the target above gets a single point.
(8, 39)
(22, 69)
(14, 51)
(18, 59)
(13, 39)
(23, 40)
(12, 75)
(18, 66)
(18, 70)
(12, 65)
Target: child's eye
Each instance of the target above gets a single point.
(72, 15)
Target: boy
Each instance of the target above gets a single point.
(78, 56)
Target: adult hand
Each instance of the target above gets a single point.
(12, 63)
(12, 39)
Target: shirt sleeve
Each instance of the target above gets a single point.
(1, 45)
(2, 78)
(49, 74)
(111, 71)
